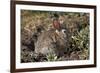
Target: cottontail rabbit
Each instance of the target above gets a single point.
(51, 41)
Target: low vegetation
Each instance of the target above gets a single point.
(77, 25)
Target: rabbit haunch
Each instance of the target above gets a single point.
(51, 42)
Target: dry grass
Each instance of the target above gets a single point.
(74, 22)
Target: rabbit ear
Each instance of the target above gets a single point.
(56, 24)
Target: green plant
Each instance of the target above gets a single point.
(80, 42)
(52, 57)
(84, 54)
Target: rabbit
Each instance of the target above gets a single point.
(51, 42)
(29, 40)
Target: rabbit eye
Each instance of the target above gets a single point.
(63, 30)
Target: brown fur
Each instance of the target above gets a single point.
(51, 41)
